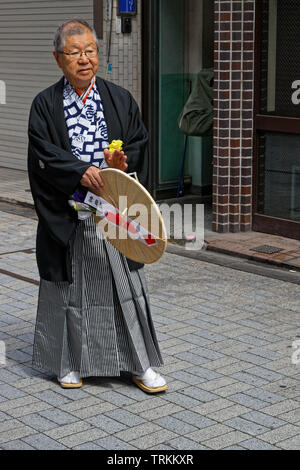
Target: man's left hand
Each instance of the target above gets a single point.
(116, 160)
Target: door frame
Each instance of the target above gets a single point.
(262, 223)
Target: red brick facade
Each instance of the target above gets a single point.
(233, 118)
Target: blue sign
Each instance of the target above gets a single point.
(127, 7)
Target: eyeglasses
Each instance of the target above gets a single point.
(89, 53)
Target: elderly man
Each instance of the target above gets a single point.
(93, 314)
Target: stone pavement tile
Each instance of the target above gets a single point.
(235, 388)
(246, 426)
(10, 392)
(288, 388)
(291, 416)
(238, 366)
(263, 419)
(165, 410)
(199, 394)
(10, 404)
(24, 370)
(249, 378)
(161, 447)
(290, 444)
(157, 437)
(195, 339)
(68, 429)
(203, 373)
(210, 336)
(217, 383)
(210, 407)
(81, 404)
(280, 408)
(51, 397)
(265, 395)
(137, 431)
(146, 405)
(116, 398)
(236, 447)
(221, 363)
(8, 377)
(107, 424)
(186, 377)
(38, 422)
(281, 434)
(228, 439)
(81, 437)
(4, 416)
(132, 392)
(16, 445)
(195, 419)
(125, 417)
(252, 358)
(28, 409)
(248, 339)
(265, 374)
(173, 424)
(249, 402)
(113, 443)
(182, 443)
(257, 444)
(207, 353)
(182, 399)
(42, 442)
(88, 446)
(209, 433)
(71, 394)
(228, 413)
(192, 358)
(17, 433)
(58, 416)
(264, 353)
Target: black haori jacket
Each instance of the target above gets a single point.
(55, 173)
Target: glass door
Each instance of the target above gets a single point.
(277, 120)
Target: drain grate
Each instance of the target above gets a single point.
(268, 249)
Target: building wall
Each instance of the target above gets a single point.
(233, 119)
(126, 52)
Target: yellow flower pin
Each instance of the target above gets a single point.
(115, 145)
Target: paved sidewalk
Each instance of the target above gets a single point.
(226, 338)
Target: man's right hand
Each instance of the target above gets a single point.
(92, 179)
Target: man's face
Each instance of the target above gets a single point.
(78, 72)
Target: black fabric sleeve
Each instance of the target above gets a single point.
(136, 143)
(58, 167)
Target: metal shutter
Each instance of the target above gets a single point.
(27, 65)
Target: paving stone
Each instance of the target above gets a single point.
(195, 419)
(228, 439)
(246, 426)
(199, 394)
(137, 431)
(257, 444)
(38, 422)
(280, 434)
(192, 358)
(263, 419)
(182, 400)
(10, 392)
(208, 433)
(228, 413)
(161, 436)
(82, 437)
(175, 425)
(204, 373)
(249, 379)
(58, 416)
(252, 358)
(125, 417)
(265, 395)
(290, 444)
(113, 443)
(68, 429)
(16, 445)
(279, 408)
(264, 373)
(116, 398)
(42, 442)
(51, 397)
(17, 433)
(182, 443)
(248, 401)
(109, 425)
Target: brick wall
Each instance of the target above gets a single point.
(233, 119)
(125, 55)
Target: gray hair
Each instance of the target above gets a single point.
(71, 28)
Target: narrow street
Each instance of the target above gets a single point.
(226, 337)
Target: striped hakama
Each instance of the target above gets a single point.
(101, 323)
